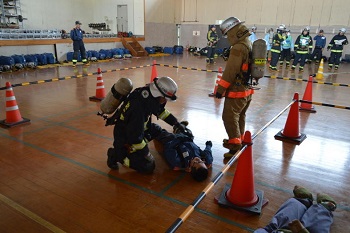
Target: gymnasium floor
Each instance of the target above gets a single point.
(53, 172)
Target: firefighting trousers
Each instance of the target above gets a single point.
(274, 59)
(334, 59)
(234, 114)
(211, 52)
(140, 159)
(300, 57)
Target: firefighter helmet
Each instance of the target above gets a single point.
(281, 28)
(307, 29)
(228, 24)
(343, 30)
(164, 87)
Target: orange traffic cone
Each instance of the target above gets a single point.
(13, 116)
(290, 133)
(307, 107)
(319, 75)
(100, 88)
(154, 71)
(242, 195)
(217, 80)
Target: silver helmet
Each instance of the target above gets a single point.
(228, 24)
(164, 87)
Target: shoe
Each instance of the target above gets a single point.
(329, 68)
(301, 70)
(112, 159)
(296, 226)
(293, 68)
(273, 68)
(335, 68)
(327, 201)
(301, 192)
(86, 63)
(209, 143)
(74, 65)
(230, 154)
(185, 123)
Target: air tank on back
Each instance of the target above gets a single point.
(259, 52)
(115, 96)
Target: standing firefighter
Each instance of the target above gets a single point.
(336, 47)
(238, 93)
(276, 46)
(76, 34)
(212, 38)
(302, 48)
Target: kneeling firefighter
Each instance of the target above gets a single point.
(133, 127)
(236, 81)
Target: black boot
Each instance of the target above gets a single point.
(112, 159)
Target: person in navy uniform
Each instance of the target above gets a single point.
(320, 43)
(181, 153)
(76, 34)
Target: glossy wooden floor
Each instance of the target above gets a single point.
(53, 172)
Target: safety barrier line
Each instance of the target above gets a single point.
(164, 65)
(71, 77)
(266, 76)
(182, 218)
(306, 80)
(186, 68)
(325, 104)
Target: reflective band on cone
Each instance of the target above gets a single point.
(100, 88)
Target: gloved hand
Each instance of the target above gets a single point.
(209, 143)
(218, 95)
(179, 128)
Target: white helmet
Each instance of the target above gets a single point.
(343, 30)
(164, 87)
(254, 28)
(228, 24)
(282, 27)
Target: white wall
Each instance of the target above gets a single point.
(268, 12)
(53, 14)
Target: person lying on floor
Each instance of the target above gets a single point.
(181, 153)
(300, 215)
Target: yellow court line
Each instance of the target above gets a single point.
(30, 214)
